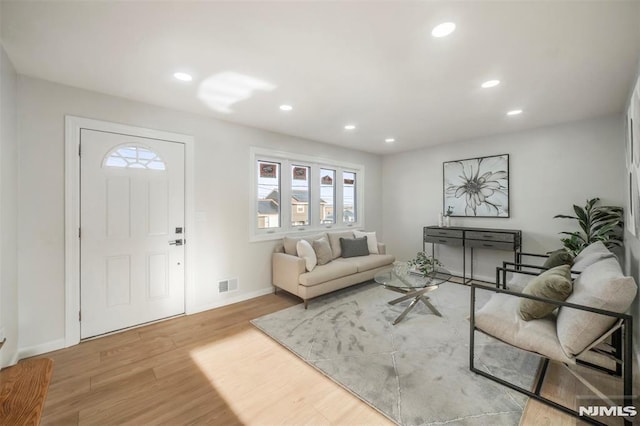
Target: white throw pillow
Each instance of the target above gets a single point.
(372, 241)
(306, 252)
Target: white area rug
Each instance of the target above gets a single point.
(416, 372)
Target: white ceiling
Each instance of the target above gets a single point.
(373, 64)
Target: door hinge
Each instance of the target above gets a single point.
(79, 233)
(79, 150)
(79, 315)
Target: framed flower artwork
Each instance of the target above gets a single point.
(477, 187)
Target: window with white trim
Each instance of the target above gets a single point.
(297, 194)
(327, 196)
(349, 202)
(268, 191)
(134, 157)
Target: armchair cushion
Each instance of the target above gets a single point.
(557, 258)
(500, 318)
(590, 255)
(553, 284)
(601, 285)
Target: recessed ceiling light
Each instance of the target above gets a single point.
(515, 112)
(286, 107)
(490, 83)
(443, 29)
(183, 76)
(389, 140)
(350, 127)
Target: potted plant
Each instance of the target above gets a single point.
(423, 264)
(597, 223)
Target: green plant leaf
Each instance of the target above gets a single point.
(564, 216)
(596, 223)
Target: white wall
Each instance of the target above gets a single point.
(8, 210)
(222, 198)
(551, 168)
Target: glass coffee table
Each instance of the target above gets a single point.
(413, 286)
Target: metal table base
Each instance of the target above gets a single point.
(418, 295)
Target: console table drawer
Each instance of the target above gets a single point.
(444, 240)
(495, 245)
(439, 232)
(490, 236)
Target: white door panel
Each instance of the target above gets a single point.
(130, 207)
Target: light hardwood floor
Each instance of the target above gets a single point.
(214, 368)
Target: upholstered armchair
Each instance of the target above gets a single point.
(591, 327)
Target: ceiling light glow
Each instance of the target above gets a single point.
(350, 127)
(286, 107)
(224, 89)
(389, 140)
(443, 29)
(490, 83)
(183, 76)
(515, 112)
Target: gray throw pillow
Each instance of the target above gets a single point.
(557, 258)
(352, 247)
(323, 251)
(553, 284)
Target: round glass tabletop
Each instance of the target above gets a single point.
(400, 276)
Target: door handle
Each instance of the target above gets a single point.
(177, 242)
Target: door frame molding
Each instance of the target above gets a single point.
(73, 125)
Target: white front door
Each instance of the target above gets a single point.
(131, 224)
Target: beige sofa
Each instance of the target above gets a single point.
(289, 272)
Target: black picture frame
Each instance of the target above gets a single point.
(476, 187)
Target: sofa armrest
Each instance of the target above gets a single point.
(382, 249)
(286, 270)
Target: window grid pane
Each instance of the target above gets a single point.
(349, 207)
(327, 196)
(268, 195)
(134, 157)
(300, 212)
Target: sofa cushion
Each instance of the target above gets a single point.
(323, 250)
(500, 318)
(290, 242)
(557, 258)
(306, 252)
(601, 285)
(552, 284)
(590, 255)
(372, 240)
(330, 271)
(372, 261)
(352, 247)
(334, 241)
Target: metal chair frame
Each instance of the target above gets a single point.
(620, 350)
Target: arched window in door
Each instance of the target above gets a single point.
(134, 157)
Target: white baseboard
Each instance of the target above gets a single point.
(43, 348)
(230, 300)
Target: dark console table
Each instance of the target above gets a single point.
(485, 238)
